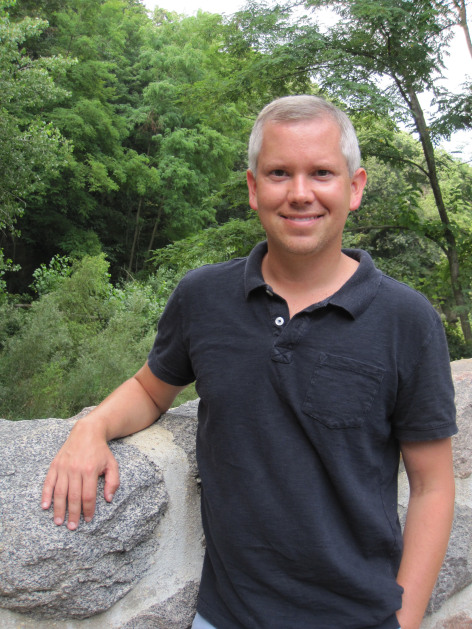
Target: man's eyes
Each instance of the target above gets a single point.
(320, 173)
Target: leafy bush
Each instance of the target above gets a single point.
(78, 341)
(48, 277)
(233, 239)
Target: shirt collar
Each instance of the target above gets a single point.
(358, 292)
(354, 297)
(253, 272)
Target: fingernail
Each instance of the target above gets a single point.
(57, 521)
(44, 505)
(88, 519)
(110, 497)
(71, 526)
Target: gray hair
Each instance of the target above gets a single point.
(305, 107)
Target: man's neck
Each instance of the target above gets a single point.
(304, 280)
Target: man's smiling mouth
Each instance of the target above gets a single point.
(301, 218)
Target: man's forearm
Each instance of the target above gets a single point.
(127, 410)
(133, 406)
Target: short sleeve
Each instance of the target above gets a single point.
(425, 406)
(169, 359)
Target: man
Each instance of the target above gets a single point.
(313, 370)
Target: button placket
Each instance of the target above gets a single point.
(278, 312)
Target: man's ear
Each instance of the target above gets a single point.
(252, 188)
(358, 182)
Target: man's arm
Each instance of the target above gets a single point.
(73, 474)
(428, 524)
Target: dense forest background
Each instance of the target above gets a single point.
(123, 155)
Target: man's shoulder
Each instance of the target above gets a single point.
(372, 291)
(407, 308)
(403, 293)
(392, 290)
(217, 269)
(214, 276)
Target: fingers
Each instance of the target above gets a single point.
(72, 485)
(72, 492)
(89, 497)
(112, 480)
(74, 499)
(48, 488)
(60, 498)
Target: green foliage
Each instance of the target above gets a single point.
(390, 223)
(458, 348)
(234, 239)
(32, 150)
(10, 314)
(154, 130)
(77, 342)
(49, 277)
(6, 265)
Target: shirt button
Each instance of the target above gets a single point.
(279, 321)
(269, 292)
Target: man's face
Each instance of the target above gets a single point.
(303, 192)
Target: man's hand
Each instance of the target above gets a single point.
(73, 475)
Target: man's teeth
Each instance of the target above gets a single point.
(301, 218)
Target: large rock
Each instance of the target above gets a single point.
(150, 534)
(462, 444)
(456, 572)
(46, 569)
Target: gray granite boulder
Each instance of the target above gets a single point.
(456, 572)
(135, 565)
(53, 572)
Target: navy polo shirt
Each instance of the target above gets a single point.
(298, 439)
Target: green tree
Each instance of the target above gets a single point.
(158, 143)
(102, 41)
(77, 342)
(235, 238)
(32, 150)
(188, 128)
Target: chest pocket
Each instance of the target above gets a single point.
(341, 391)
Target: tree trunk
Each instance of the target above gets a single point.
(451, 244)
(463, 23)
(135, 237)
(154, 231)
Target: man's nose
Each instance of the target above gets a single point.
(301, 190)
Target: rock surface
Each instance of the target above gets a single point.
(451, 604)
(53, 572)
(149, 535)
